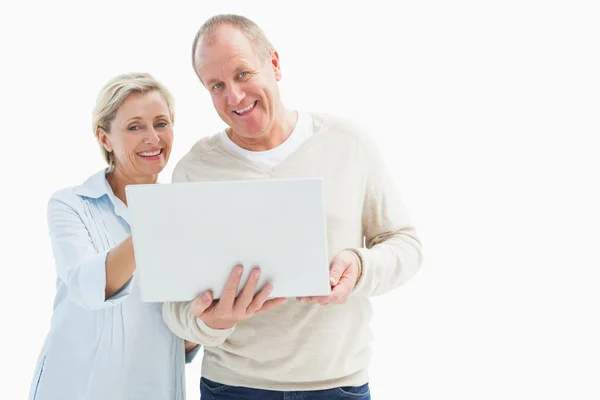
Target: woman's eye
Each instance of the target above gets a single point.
(161, 124)
(133, 128)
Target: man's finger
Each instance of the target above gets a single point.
(340, 292)
(247, 294)
(260, 299)
(311, 299)
(336, 269)
(269, 304)
(231, 287)
(201, 304)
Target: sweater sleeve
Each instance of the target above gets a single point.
(392, 252)
(183, 324)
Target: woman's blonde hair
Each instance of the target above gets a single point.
(112, 96)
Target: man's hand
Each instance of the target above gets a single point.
(229, 310)
(344, 271)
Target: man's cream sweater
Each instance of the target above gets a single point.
(305, 346)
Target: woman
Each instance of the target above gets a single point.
(104, 342)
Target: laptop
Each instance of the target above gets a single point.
(189, 236)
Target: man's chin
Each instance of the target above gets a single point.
(245, 133)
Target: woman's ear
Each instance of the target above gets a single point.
(102, 137)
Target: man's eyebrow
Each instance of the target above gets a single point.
(242, 67)
(210, 81)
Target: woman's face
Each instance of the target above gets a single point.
(141, 136)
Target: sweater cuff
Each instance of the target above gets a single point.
(210, 336)
(359, 259)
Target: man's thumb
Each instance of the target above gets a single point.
(336, 269)
(201, 304)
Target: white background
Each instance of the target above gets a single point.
(487, 113)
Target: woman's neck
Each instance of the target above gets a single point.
(119, 179)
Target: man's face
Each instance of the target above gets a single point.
(243, 86)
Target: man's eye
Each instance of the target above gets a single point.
(217, 86)
(243, 74)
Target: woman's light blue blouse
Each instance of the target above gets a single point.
(98, 349)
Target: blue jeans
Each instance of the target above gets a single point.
(210, 390)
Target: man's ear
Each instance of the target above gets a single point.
(276, 64)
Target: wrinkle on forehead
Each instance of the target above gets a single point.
(210, 59)
(221, 68)
(222, 56)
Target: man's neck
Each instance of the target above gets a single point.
(277, 134)
(118, 179)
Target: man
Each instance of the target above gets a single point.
(318, 346)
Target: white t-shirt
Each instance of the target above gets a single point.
(302, 131)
